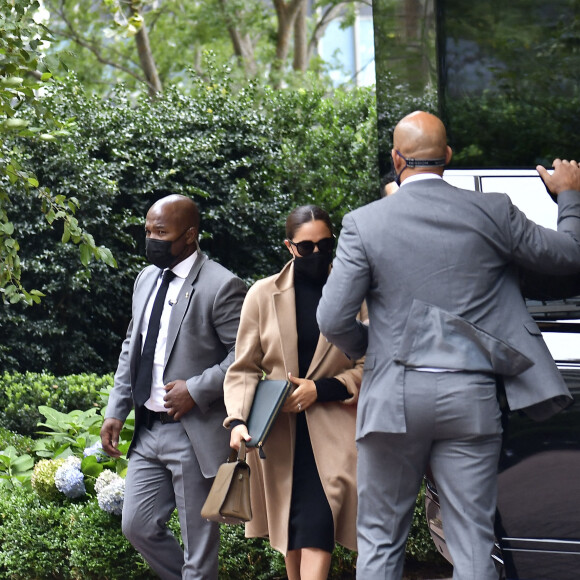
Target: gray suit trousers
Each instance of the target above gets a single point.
(453, 424)
(163, 474)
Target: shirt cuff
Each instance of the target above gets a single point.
(328, 390)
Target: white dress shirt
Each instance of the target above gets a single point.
(420, 177)
(155, 401)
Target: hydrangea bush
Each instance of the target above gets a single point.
(79, 468)
(61, 519)
(54, 478)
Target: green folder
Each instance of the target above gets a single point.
(268, 400)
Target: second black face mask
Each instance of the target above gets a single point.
(158, 252)
(313, 267)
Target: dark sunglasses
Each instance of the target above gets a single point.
(305, 248)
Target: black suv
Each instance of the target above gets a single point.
(537, 522)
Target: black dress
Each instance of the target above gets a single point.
(311, 524)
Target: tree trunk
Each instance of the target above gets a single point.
(286, 13)
(146, 59)
(300, 39)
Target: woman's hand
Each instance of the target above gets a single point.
(239, 433)
(303, 396)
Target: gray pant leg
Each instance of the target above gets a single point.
(163, 474)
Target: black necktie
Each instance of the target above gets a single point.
(142, 390)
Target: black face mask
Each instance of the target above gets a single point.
(313, 267)
(158, 252)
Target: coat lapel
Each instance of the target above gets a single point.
(145, 287)
(285, 310)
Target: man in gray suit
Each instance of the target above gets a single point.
(172, 372)
(438, 268)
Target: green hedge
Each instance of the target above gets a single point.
(247, 158)
(21, 443)
(22, 393)
(43, 540)
(77, 540)
(74, 539)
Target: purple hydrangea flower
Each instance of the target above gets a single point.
(69, 478)
(96, 449)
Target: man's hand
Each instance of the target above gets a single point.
(302, 397)
(566, 176)
(110, 436)
(177, 399)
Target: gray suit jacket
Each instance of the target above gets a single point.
(438, 267)
(200, 347)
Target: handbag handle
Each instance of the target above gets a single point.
(242, 451)
(238, 455)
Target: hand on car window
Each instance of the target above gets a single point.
(566, 176)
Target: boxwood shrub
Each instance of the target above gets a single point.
(22, 393)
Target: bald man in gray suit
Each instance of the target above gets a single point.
(179, 440)
(438, 268)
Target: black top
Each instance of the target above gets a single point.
(308, 295)
(310, 522)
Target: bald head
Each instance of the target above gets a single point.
(420, 135)
(181, 210)
(174, 219)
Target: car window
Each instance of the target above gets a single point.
(524, 186)
(529, 195)
(564, 346)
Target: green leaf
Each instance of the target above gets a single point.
(106, 256)
(65, 234)
(85, 254)
(23, 463)
(90, 466)
(7, 228)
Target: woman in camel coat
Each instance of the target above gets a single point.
(304, 492)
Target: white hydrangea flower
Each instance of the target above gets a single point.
(72, 462)
(110, 498)
(106, 477)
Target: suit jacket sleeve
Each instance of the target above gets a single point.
(121, 398)
(543, 250)
(344, 293)
(225, 318)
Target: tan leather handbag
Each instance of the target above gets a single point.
(228, 501)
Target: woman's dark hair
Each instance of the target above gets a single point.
(304, 214)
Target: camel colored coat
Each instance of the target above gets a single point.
(267, 343)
